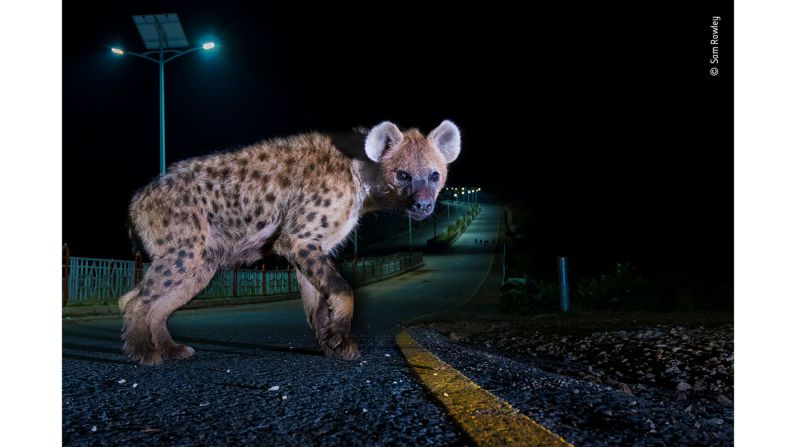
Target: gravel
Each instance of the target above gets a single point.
(603, 380)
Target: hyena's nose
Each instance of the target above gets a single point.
(423, 206)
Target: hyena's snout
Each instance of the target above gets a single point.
(422, 207)
(422, 201)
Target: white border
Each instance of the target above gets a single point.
(30, 172)
(30, 184)
(764, 222)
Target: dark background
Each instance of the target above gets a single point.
(601, 122)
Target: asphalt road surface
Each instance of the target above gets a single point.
(258, 378)
(422, 231)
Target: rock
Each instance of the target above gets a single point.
(626, 389)
(274, 388)
(455, 338)
(715, 421)
(673, 370)
(683, 386)
(724, 400)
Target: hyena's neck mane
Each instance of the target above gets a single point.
(374, 195)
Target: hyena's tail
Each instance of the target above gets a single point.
(127, 297)
(137, 247)
(135, 240)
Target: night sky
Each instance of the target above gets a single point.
(602, 121)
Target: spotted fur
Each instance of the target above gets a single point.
(299, 195)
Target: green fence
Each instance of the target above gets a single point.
(369, 269)
(94, 280)
(454, 231)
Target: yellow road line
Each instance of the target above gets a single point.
(487, 419)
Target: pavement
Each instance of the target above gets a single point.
(583, 412)
(594, 379)
(258, 378)
(421, 231)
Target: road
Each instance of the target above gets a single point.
(421, 231)
(257, 377)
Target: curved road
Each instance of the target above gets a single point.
(421, 231)
(257, 377)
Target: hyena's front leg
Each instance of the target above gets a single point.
(315, 306)
(329, 302)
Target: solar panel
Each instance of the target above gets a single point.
(153, 26)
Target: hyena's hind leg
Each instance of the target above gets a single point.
(170, 282)
(134, 306)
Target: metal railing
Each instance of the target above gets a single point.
(452, 232)
(367, 269)
(94, 280)
(249, 282)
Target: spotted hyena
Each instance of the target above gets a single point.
(299, 197)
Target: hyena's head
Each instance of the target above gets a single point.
(413, 167)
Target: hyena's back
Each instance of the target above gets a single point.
(222, 208)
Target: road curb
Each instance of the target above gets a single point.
(487, 419)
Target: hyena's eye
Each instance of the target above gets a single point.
(403, 176)
(434, 177)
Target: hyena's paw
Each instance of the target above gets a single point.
(144, 355)
(341, 347)
(138, 346)
(179, 352)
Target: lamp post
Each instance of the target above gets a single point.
(410, 238)
(162, 35)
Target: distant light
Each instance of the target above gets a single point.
(118, 51)
(209, 45)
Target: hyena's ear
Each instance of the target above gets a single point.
(446, 138)
(380, 138)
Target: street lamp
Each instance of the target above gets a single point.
(163, 37)
(411, 242)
